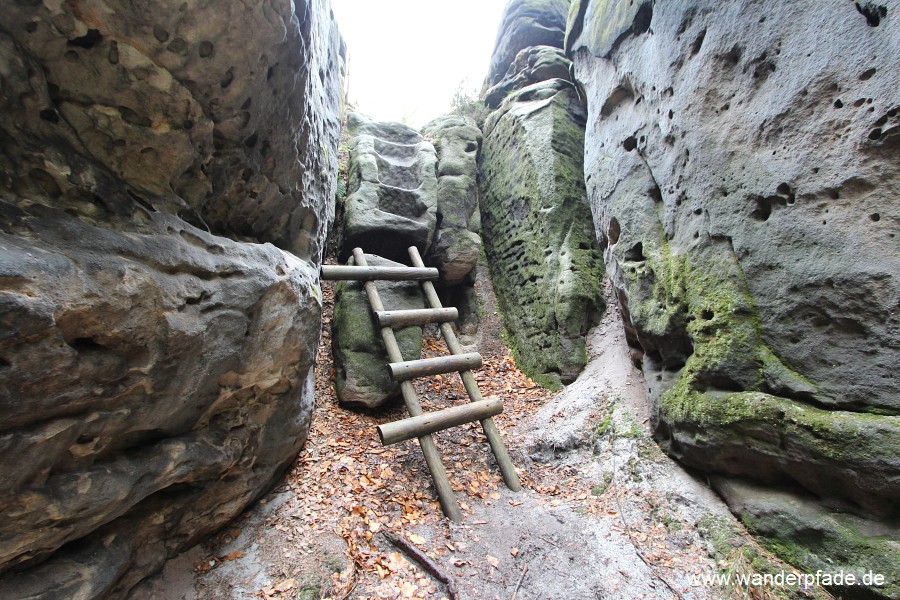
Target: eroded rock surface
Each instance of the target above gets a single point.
(456, 244)
(392, 193)
(526, 23)
(742, 170)
(545, 263)
(361, 376)
(154, 377)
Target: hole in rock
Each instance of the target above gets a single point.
(206, 49)
(635, 253)
(642, 19)
(85, 344)
(630, 143)
(49, 115)
(698, 42)
(707, 314)
(867, 74)
(875, 217)
(873, 13)
(613, 231)
(87, 41)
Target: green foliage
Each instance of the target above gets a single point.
(465, 103)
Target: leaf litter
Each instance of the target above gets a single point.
(577, 530)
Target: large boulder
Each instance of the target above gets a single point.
(545, 264)
(155, 382)
(391, 201)
(743, 174)
(456, 245)
(154, 376)
(531, 65)
(361, 375)
(806, 533)
(526, 23)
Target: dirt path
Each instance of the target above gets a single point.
(603, 515)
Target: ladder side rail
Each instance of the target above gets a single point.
(507, 469)
(445, 493)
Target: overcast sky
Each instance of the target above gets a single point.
(407, 57)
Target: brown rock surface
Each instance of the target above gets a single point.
(154, 377)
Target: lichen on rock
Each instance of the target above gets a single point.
(361, 375)
(737, 180)
(545, 264)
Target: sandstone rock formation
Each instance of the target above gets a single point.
(391, 202)
(361, 375)
(742, 169)
(545, 263)
(154, 377)
(526, 23)
(456, 244)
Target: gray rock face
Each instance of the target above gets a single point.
(531, 65)
(526, 23)
(545, 263)
(743, 174)
(177, 106)
(155, 381)
(361, 375)
(456, 245)
(813, 532)
(154, 378)
(391, 202)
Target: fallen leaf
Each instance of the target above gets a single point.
(233, 555)
(514, 551)
(494, 561)
(416, 539)
(285, 585)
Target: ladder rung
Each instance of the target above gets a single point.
(335, 272)
(413, 427)
(410, 369)
(421, 316)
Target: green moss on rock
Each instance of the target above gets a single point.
(360, 360)
(537, 229)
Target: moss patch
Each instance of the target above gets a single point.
(538, 234)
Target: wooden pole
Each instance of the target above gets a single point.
(412, 369)
(413, 427)
(432, 459)
(419, 316)
(507, 469)
(366, 273)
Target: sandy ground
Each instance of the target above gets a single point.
(603, 514)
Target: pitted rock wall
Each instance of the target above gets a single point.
(154, 376)
(391, 199)
(742, 169)
(545, 264)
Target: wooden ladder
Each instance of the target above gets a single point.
(421, 425)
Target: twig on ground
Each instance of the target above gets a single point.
(425, 561)
(518, 585)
